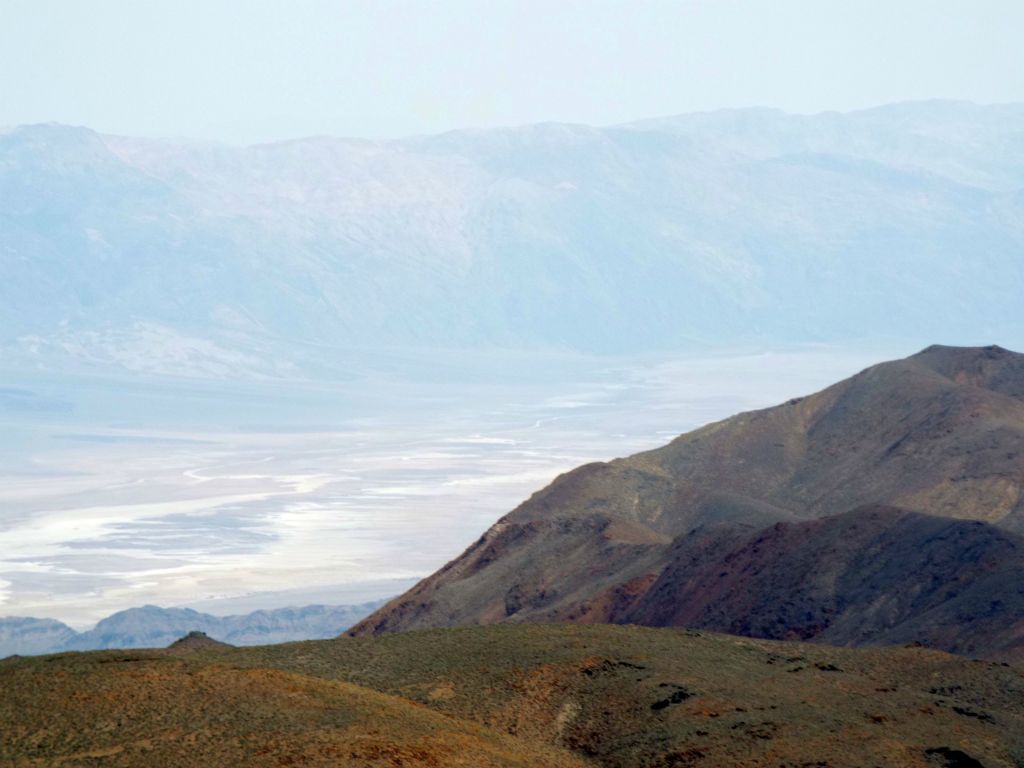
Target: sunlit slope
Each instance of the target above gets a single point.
(161, 711)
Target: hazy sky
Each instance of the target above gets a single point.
(252, 70)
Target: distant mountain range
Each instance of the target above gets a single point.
(887, 508)
(175, 257)
(154, 627)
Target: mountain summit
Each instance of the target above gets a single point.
(886, 507)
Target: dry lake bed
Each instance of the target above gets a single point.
(122, 492)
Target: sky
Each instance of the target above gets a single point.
(245, 71)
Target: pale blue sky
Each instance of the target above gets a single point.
(253, 70)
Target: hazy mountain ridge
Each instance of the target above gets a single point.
(153, 627)
(25, 636)
(744, 225)
(780, 522)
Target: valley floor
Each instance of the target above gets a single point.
(115, 493)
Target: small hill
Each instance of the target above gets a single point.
(516, 695)
(940, 433)
(196, 641)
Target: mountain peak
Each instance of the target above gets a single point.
(991, 367)
(53, 139)
(991, 351)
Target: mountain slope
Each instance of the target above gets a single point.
(730, 227)
(941, 432)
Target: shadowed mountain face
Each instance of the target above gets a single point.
(769, 524)
(870, 576)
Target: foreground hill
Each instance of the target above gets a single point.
(648, 538)
(189, 258)
(523, 695)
